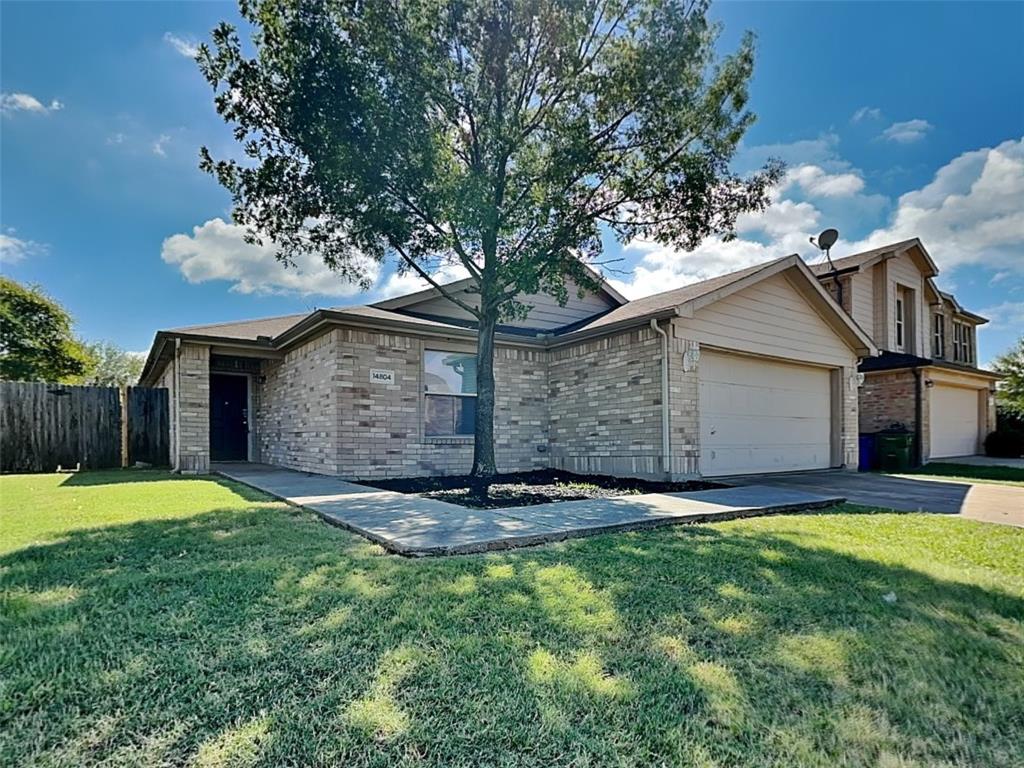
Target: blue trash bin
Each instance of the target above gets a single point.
(868, 458)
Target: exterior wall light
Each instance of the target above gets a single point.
(929, 383)
(856, 380)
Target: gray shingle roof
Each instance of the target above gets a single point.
(856, 259)
(247, 330)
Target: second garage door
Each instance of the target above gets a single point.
(758, 415)
(953, 421)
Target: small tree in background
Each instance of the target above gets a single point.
(503, 136)
(114, 366)
(36, 339)
(1010, 391)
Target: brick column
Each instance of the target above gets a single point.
(194, 409)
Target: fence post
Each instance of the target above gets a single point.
(123, 395)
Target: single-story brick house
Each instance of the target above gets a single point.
(755, 371)
(926, 377)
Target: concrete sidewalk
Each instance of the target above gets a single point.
(987, 502)
(412, 525)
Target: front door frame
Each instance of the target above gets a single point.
(248, 408)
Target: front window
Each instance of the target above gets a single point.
(900, 322)
(939, 337)
(449, 384)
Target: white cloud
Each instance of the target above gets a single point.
(117, 138)
(817, 182)
(14, 249)
(907, 132)
(866, 113)
(1008, 315)
(159, 146)
(998, 277)
(26, 102)
(186, 46)
(972, 212)
(217, 250)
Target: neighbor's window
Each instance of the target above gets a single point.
(939, 336)
(963, 343)
(900, 321)
(449, 384)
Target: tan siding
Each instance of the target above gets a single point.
(863, 304)
(880, 295)
(545, 312)
(772, 319)
(903, 271)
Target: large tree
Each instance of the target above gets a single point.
(36, 338)
(503, 136)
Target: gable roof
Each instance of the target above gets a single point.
(864, 259)
(400, 302)
(277, 333)
(689, 298)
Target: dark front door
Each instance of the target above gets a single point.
(229, 417)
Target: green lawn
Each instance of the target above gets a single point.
(971, 473)
(148, 620)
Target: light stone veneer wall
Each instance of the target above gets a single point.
(320, 411)
(296, 403)
(194, 408)
(605, 404)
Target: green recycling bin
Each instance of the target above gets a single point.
(894, 451)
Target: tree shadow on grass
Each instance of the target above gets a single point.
(122, 477)
(265, 637)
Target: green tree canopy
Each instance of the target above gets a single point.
(504, 136)
(114, 366)
(36, 339)
(1010, 391)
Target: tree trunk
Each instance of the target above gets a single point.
(484, 466)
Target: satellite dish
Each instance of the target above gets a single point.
(827, 239)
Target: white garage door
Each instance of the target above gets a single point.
(953, 421)
(762, 416)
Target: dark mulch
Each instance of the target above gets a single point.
(522, 489)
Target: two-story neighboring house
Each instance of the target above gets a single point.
(926, 377)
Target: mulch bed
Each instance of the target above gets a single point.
(523, 489)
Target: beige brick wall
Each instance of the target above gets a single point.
(320, 411)
(296, 403)
(605, 403)
(194, 408)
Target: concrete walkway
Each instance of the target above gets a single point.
(412, 525)
(988, 502)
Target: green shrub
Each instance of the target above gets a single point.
(1005, 443)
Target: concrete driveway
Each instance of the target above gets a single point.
(988, 502)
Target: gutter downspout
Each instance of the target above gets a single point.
(918, 409)
(666, 442)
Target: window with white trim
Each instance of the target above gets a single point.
(938, 336)
(449, 386)
(963, 343)
(901, 320)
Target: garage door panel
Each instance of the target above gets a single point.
(767, 458)
(953, 421)
(763, 416)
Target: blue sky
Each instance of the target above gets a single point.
(896, 120)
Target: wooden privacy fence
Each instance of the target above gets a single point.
(44, 426)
